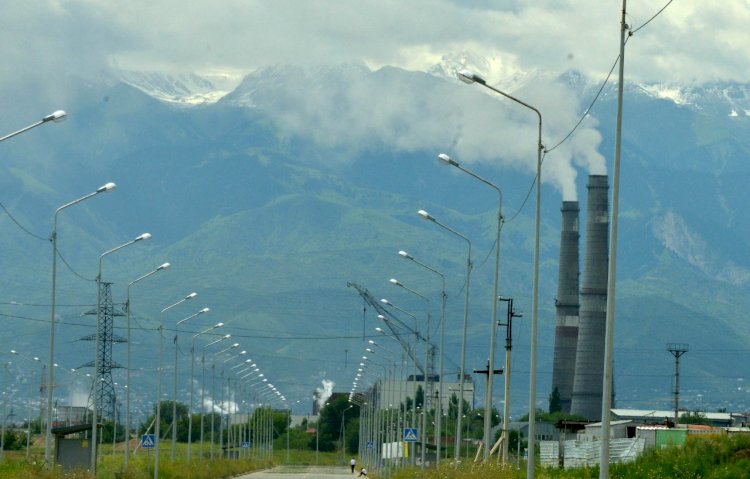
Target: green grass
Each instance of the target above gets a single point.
(712, 457)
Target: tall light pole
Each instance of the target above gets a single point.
(221, 408)
(469, 77)
(97, 375)
(413, 355)
(213, 392)
(51, 376)
(157, 426)
(444, 297)
(128, 386)
(54, 117)
(609, 329)
(425, 215)
(447, 160)
(425, 393)
(174, 381)
(192, 374)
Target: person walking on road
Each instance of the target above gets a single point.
(352, 463)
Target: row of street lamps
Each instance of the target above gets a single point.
(467, 77)
(470, 78)
(57, 117)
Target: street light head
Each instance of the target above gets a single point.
(242, 353)
(395, 282)
(370, 350)
(164, 266)
(385, 301)
(191, 296)
(205, 310)
(425, 215)
(235, 345)
(108, 187)
(380, 330)
(56, 116)
(13, 351)
(218, 325)
(405, 255)
(467, 76)
(142, 237)
(371, 341)
(447, 160)
(226, 336)
(381, 317)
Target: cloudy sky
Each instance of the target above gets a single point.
(691, 41)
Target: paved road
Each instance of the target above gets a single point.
(302, 472)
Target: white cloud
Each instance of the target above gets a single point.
(690, 40)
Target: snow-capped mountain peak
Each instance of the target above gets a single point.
(185, 89)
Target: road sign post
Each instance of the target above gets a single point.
(148, 441)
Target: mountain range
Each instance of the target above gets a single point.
(269, 195)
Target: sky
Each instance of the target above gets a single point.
(690, 41)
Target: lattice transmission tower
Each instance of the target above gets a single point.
(104, 388)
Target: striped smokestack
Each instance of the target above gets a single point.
(586, 400)
(566, 304)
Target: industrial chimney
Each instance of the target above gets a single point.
(586, 399)
(566, 304)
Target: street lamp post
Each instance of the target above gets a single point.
(97, 375)
(425, 393)
(444, 297)
(51, 376)
(424, 215)
(213, 393)
(413, 355)
(174, 381)
(157, 427)
(493, 324)
(469, 77)
(54, 117)
(221, 407)
(192, 374)
(128, 386)
(203, 385)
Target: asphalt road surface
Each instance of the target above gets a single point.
(303, 472)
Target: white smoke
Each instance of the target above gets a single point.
(353, 110)
(324, 393)
(78, 397)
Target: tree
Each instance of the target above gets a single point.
(165, 414)
(330, 423)
(694, 417)
(419, 397)
(555, 404)
(12, 441)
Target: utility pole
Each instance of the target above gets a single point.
(488, 420)
(677, 350)
(508, 346)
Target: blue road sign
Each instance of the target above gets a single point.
(245, 444)
(148, 441)
(369, 445)
(410, 434)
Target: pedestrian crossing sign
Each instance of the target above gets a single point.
(147, 441)
(410, 434)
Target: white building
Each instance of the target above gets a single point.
(393, 393)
